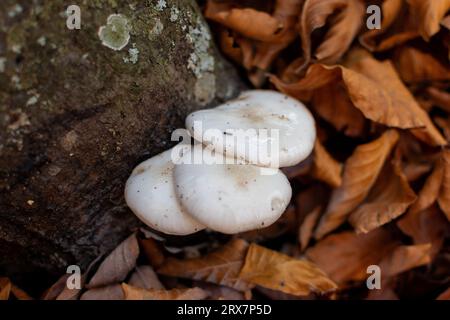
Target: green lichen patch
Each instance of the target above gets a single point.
(116, 33)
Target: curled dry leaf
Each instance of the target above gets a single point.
(389, 198)
(375, 89)
(325, 168)
(307, 227)
(404, 258)
(117, 264)
(345, 19)
(153, 251)
(273, 270)
(439, 98)
(144, 277)
(332, 103)
(444, 295)
(415, 66)
(444, 195)
(111, 292)
(428, 14)
(5, 288)
(220, 267)
(360, 173)
(427, 226)
(430, 190)
(132, 293)
(345, 256)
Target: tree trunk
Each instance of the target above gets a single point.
(76, 116)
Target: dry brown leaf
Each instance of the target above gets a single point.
(5, 288)
(111, 292)
(388, 199)
(444, 295)
(428, 14)
(144, 277)
(314, 16)
(333, 104)
(117, 264)
(344, 27)
(273, 270)
(132, 293)
(439, 98)
(444, 195)
(216, 292)
(19, 294)
(307, 227)
(220, 267)
(325, 168)
(416, 66)
(251, 23)
(427, 226)
(430, 190)
(404, 258)
(153, 251)
(360, 173)
(345, 256)
(390, 9)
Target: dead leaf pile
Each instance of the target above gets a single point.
(375, 191)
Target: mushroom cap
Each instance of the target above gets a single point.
(150, 194)
(258, 110)
(230, 198)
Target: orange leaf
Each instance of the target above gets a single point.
(444, 295)
(439, 98)
(306, 228)
(333, 104)
(389, 198)
(273, 270)
(219, 267)
(325, 168)
(444, 195)
(5, 288)
(360, 173)
(133, 293)
(415, 66)
(345, 256)
(430, 190)
(404, 258)
(427, 226)
(344, 27)
(428, 14)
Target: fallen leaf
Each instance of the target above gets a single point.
(439, 98)
(110, 292)
(273, 270)
(217, 292)
(344, 27)
(404, 258)
(444, 195)
(415, 66)
(153, 251)
(427, 226)
(345, 256)
(428, 14)
(132, 293)
(117, 264)
(325, 168)
(430, 190)
(144, 277)
(360, 173)
(19, 294)
(307, 227)
(444, 295)
(333, 104)
(220, 267)
(389, 198)
(5, 288)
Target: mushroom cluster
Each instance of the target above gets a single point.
(237, 186)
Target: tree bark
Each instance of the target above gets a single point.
(76, 116)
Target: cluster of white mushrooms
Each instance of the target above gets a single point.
(176, 196)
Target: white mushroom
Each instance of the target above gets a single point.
(290, 127)
(150, 193)
(230, 198)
